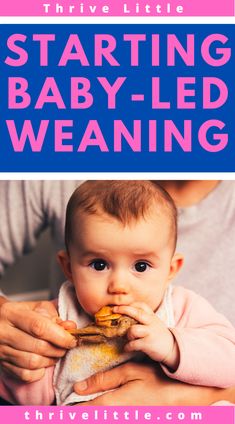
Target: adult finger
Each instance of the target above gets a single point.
(122, 396)
(28, 376)
(68, 325)
(37, 325)
(46, 308)
(26, 360)
(19, 340)
(106, 380)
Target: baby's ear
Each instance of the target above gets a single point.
(176, 263)
(64, 261)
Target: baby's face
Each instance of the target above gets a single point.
(113, 264)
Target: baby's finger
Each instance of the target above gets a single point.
(138, 314)
(134, 346)
(137, 332)
(143, 306)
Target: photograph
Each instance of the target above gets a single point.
(127, 298)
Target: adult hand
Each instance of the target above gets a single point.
(145, 384)
(30, 339)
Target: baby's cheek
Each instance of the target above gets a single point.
(90, 302)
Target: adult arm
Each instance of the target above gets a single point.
(146, 384)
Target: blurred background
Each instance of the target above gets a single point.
(17, 280)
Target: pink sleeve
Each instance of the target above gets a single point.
(206, 341)
(18, 393)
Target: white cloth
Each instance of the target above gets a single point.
(87, 359)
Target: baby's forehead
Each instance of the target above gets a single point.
(153, 229)
(153, 214)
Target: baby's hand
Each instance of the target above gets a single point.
(150, 336)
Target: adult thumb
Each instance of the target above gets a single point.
(46, 308)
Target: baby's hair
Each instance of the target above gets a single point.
(125, 200)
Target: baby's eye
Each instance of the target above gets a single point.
(141, 266)
(99, 264)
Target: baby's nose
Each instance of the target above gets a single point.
(118, 284)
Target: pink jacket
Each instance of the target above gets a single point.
(206, 341)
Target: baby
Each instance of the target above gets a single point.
(120, 241)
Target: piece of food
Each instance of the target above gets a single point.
(105, 317)
(107, 325)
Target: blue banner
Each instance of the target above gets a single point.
(117, 98)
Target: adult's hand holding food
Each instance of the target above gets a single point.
(30, 338)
